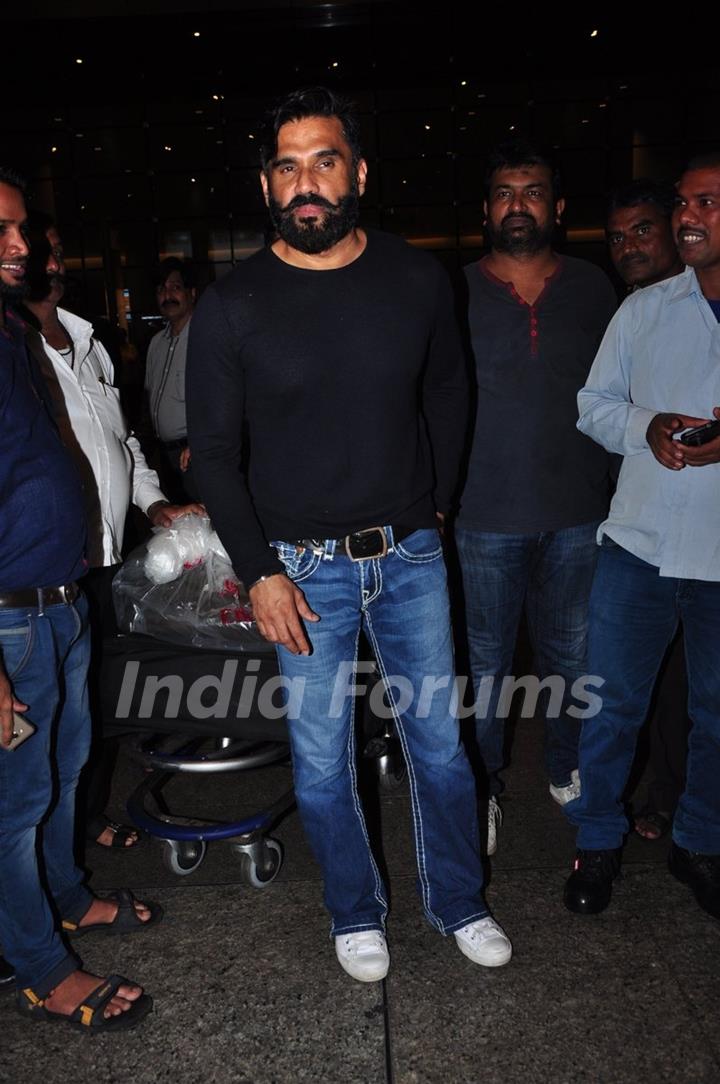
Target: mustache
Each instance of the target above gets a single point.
(518, 214)
(639, 258)
(303, 201)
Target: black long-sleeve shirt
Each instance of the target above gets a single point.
(352, 386)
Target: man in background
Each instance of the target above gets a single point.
(86, 409)
(657, 373)
(639, 233)
(536, 489)
(643, 251)
(176, 293)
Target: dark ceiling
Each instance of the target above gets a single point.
(132, 50)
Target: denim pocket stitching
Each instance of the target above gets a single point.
(29, 630)
(418, 558)
(293, 561)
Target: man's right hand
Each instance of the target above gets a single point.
(278, 606)
(668, 452)
(8, 704)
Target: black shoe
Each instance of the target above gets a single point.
(701, 872)
(589, 887)
(7, 976)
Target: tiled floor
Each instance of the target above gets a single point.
(247, 990)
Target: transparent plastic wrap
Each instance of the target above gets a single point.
(180, 587)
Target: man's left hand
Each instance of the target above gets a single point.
(184, 459)
(704, 453)
(162, 514)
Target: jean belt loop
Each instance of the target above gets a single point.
(390, 539)
(41, 602)
(329, 553)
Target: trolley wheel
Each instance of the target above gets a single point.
(391, 772)
(183, 856)
(261, 875)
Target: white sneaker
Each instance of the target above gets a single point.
(495, 819)
(484, 942)
(563, 795)
(363, 955)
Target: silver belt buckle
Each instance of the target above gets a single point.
(367, 556)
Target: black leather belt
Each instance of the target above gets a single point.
(360, 545)
(39, 597)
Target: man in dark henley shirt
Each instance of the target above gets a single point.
(536, 488)
(338, 348)
(44, 653)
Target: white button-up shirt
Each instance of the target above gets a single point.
(93, 427)
(660, 354)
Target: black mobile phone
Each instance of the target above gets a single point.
(701, 434)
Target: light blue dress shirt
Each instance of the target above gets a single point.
(660, 354)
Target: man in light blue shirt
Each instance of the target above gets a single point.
(656, 374)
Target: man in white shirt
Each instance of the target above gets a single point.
(86, 408)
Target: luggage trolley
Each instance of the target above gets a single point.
(177, 741)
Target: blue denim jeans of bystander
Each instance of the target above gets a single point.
(550, 574)
(45, 655)
(634, 613)
(401, 602)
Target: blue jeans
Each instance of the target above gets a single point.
(46, 658)
(401, 601)
(551, 575)
(634, 613)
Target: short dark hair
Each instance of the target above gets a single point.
(184, 268)
(518, 152)
(311, 102)
(659, 193)
(13, 179)
(706, 160)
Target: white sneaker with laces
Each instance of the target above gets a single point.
(364, 955)
(495, 819)
(484, 942)
(569, 793)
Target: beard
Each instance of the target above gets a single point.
(315, 235)
(39, 285)
(526, 241)
(17, 292)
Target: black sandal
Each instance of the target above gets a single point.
(126, 920)
(88, 1016)
(121, 833)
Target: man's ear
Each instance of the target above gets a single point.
(265, 187)
(361, 174)
(559, 208)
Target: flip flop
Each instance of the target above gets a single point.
(126, 920)
(88, 1016)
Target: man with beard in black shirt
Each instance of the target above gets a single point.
(338, 347)
(536, 488)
